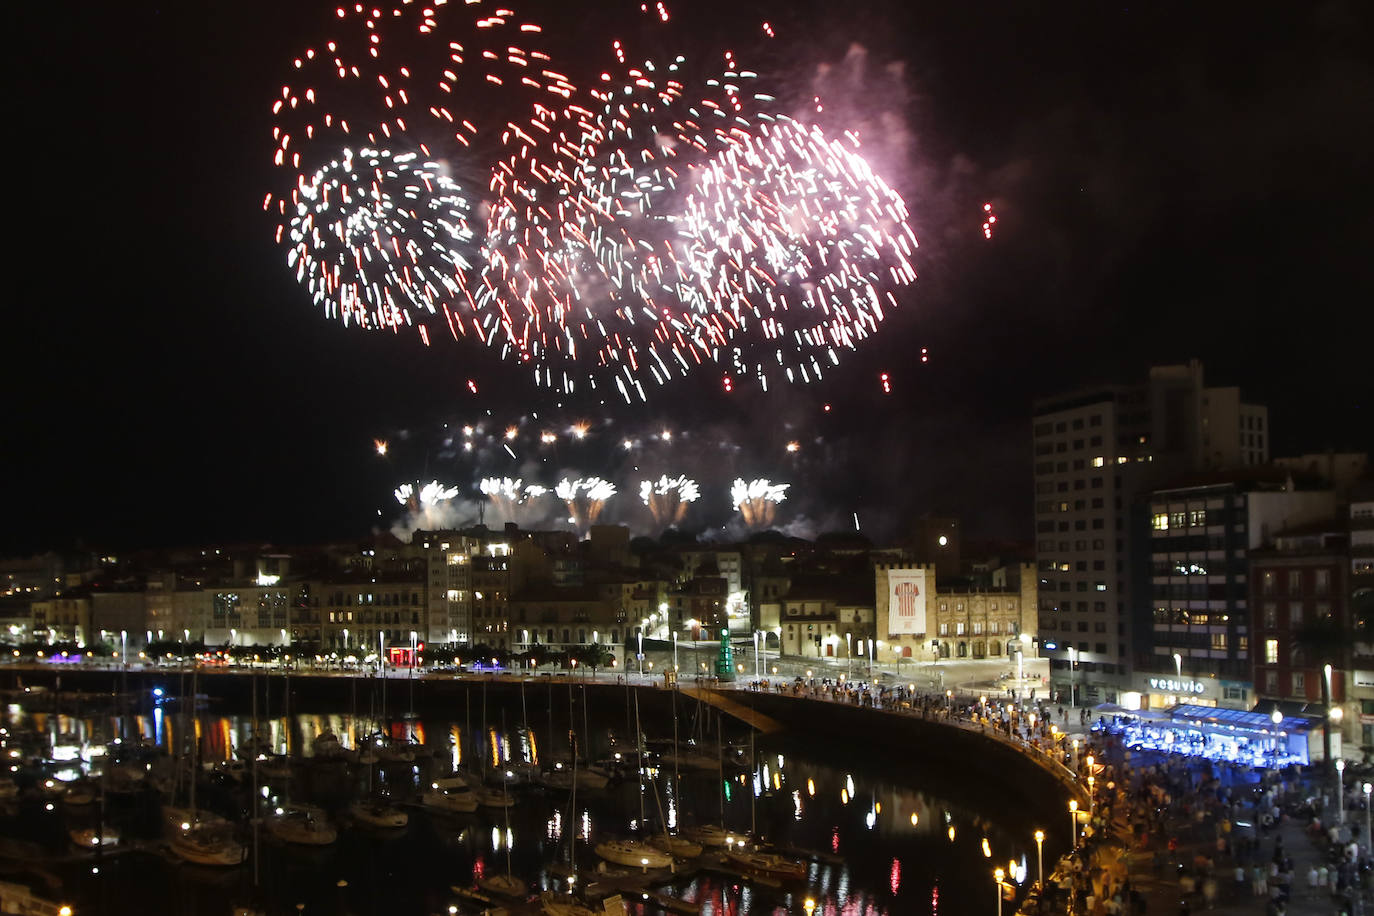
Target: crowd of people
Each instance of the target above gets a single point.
(1159, 816)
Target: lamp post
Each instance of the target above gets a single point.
(1368, 838)
(1178, 665)
(675, 650)
(1073, 823)
(997, 876)
(1073, 688)
(640, 653)
(1040, 859)
(1340, 788)
(1020, 673)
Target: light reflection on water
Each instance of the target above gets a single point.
(886, 848)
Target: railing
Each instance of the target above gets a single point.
(962, 712)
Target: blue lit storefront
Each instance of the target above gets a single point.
(1233, 735)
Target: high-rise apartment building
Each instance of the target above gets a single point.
(1098, 451)
(1195, 645)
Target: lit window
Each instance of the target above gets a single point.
(1271, 651)
(1099, 461)
(1161, 521)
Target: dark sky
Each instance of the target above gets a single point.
(1173, 180)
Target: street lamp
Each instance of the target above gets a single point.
(1040, 859)
(1073, 690)
(1020, 674)
(642, 625)
(997, 876)
(1368, 841)
(1340, 788)
(675, 650)
(1178, 665)
(848, 655)
(1073, 823)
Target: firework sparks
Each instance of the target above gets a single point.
(585, 498)
(668, 498)
(444, 176)
(431, 494)
(989, 220)
(512, 498)
(757, 501)
(380, 445)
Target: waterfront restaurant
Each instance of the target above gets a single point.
(1234, 735)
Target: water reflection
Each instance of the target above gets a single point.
(874, 846)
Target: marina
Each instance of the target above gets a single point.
(470, 813)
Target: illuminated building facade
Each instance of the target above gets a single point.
(1097, 454)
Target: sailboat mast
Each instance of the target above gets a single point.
(586, 729)
(256, 808)
(677, 752)
(639, 752)
(720, 772)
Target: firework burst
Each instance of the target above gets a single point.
(442, 173)
(757, 501)
(585, 498)
(668, 498)
(513, 500)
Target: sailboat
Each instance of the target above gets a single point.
(302, 825)
(374, 812)
(754, 859)
(677, 846)
(715, 835)
(506, 885)
(198, 839)
(631, 852)
(452, 800)
(557, 903)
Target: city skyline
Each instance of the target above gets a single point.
(1162, 194)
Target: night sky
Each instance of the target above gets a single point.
(1172, 180)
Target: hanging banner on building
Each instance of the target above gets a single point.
(906, 602)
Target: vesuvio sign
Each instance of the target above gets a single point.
(1173, 686)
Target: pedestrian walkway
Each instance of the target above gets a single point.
(1224, 859)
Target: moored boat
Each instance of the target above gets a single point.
(379, 815)
(675, 846)
(206, 846)
(766, 864)
(711, 835)
(452, 801)
(633, 853)
(89, 839)
(504, 885)
(301, 825)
